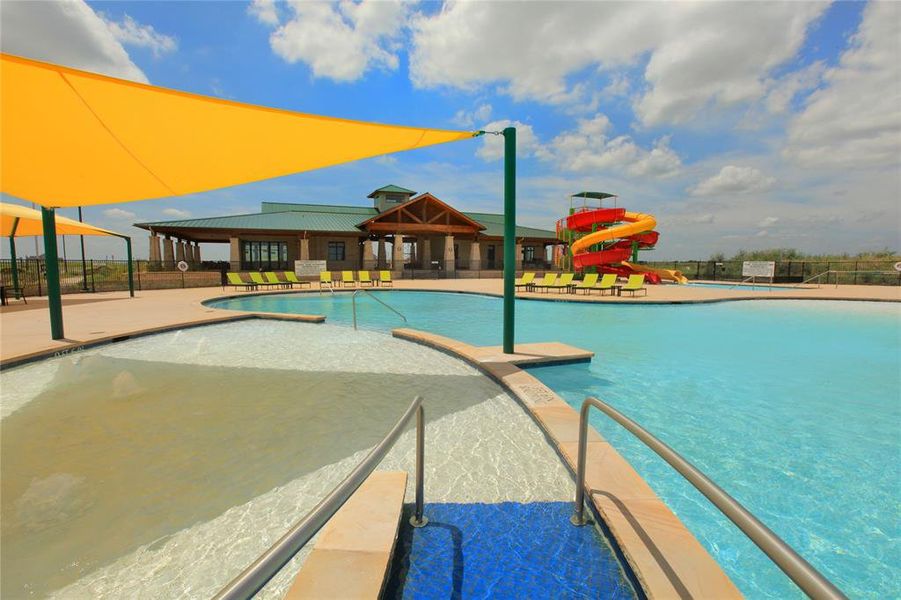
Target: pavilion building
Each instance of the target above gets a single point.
(401, 230)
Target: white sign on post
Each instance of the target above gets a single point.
(309, 268)
(758, 268)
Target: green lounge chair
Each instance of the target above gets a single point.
(347, 279)
(635, 284)
(257, 278)
(526, 281)
(385, 279)
(235, 280)
(564, 283)
(588, 282)
(274, 280)
(549, 280)
(607, 284)
(364, 278)
(292, 277)
(325, 279)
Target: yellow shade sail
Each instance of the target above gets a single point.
(31, 223)
(72, 138)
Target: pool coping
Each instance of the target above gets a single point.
(662, 556)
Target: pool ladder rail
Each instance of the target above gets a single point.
(811, 581)
(264, 568)
(353, 299)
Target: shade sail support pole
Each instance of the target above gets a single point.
(51, 264)
(509, 237)
(131, 272)
(12, 255)
(84, 264)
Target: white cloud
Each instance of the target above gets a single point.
(855, 121)
(176, 212)
(68, 33)
(118, 213)
(698, 53)
(474, 118)
(733, 180)
(768, 222)
(784, 90)
(589, 148)
(527, 143)
(132, 33)
(265, 11)
(341, 41)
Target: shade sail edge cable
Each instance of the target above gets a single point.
(106, 128)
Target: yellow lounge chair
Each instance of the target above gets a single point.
(608, 283)
(549, 280)
(588, 282)
(385, 279)
(526, 281)
(235, 280)
(635, 284)
(325, 279)
(291, 276)
(258, 279)
(564, 283)
(364, 278)
(274, 280)
(347, 279)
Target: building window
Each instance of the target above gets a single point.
(528, 254)
(265, 256)
(336, 251)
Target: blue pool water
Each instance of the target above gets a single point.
(792, 406)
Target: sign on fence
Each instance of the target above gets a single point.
(309, 268)
(758, 268)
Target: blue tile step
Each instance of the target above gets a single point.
(504, 550)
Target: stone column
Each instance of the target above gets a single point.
(179, 251)
(425, 252)
(449, 262)
(197, 253)
(369, 260)
(475, 256)
(234, 255)
(154, 254)
(397, 253)
(303, 249)
(518, 257)
(381, 254)
(168, 255)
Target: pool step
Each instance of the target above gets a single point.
(353, 552)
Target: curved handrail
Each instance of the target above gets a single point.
(811, 581)
(264, 568)
(353, 299)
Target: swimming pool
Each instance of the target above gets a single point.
(792, 406)
(161, 466)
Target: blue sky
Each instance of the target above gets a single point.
(739, 125)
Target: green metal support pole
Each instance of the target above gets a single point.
(12, 255)
(131, 272)
(509, 237)
(51, 263)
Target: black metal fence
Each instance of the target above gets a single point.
(846, 272)
(107, 275)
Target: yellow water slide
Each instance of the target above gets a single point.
(668, 274)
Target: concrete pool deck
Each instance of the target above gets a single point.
(94, 318)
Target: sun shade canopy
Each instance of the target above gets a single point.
(595, 195)
(30, 223)
(72, 138)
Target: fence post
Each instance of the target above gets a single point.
(855, 272)
(37, 265)
(139, 274)
(93, 287)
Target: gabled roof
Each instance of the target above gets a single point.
(366, 211)
(391, 188)
(426, 197)
(494, 227)
(272, 221)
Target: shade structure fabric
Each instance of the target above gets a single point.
(72, 138)
(30, 223)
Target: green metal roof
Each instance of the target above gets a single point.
(284, 216)
(494, 226)
(391, 188)
(595, 195)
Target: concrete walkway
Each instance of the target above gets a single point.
(25, 329)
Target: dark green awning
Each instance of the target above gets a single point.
(595, 195)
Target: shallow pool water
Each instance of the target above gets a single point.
(162, 466)
(792, 406)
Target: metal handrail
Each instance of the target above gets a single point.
(353, 299)
(838, 272)
(811, 581)
(264, 568)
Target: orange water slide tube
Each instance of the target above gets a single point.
(635, 223)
